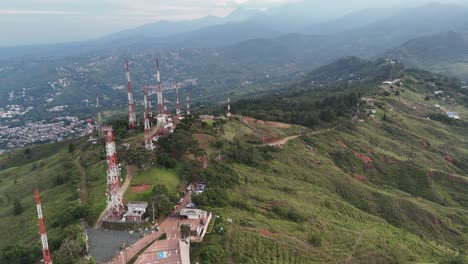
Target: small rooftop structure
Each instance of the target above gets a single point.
(193, 213)
(209, 117)
(438, 92)
(135, 211)
(453, 115)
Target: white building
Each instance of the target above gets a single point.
(135, 211)
(193, 213)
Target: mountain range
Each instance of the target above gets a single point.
(445, 52)
(224, 53)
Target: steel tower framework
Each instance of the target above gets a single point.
(131, 105)
(115, 206)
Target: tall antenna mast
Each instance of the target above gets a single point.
(177, 102)
(131, 105)
(150, 105)
(188, 106)
(159, 91)
(228, 114)
(115, 205)
(98, 116)
(148, 143)
(165, 105)
(161, 118)
(90, 129)
(44, 242)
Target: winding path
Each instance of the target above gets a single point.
(83, 181)
(281, 142)
(130, 169)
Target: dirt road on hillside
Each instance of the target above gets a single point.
(283, 141)
(83, 181)
(130, 169)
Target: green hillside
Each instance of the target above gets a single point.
(328, 205)
(383, 189)
(56, 170)
(365, 172)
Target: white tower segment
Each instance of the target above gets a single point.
(131, 105)
(228, 114)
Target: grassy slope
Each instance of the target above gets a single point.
(22, 172)
(398, 215)
(167, 177)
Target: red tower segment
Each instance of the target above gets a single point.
(44, 242)
(131, 105)
(115, 206)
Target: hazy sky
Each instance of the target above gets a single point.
(48, 21)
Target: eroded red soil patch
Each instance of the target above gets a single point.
(204, 140)
(266, 233)
(360, 177)
(342, 144)
(450, 159)
(278, 125)
(140, 188)
(271, 139)
(425, 144)
(364, 158)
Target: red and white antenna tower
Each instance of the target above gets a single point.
(177, 102)
(228, 114)
(45, 243)
(90, 129)
(150, 105)
(159, 91)
(131, 105)
(161, 118)
(188, 106)
(148, 142)
(115, 206)
(165, 106)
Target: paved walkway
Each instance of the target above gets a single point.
(171, 245)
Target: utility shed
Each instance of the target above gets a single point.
(193, 213)
(135, 211)
(453, 115)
